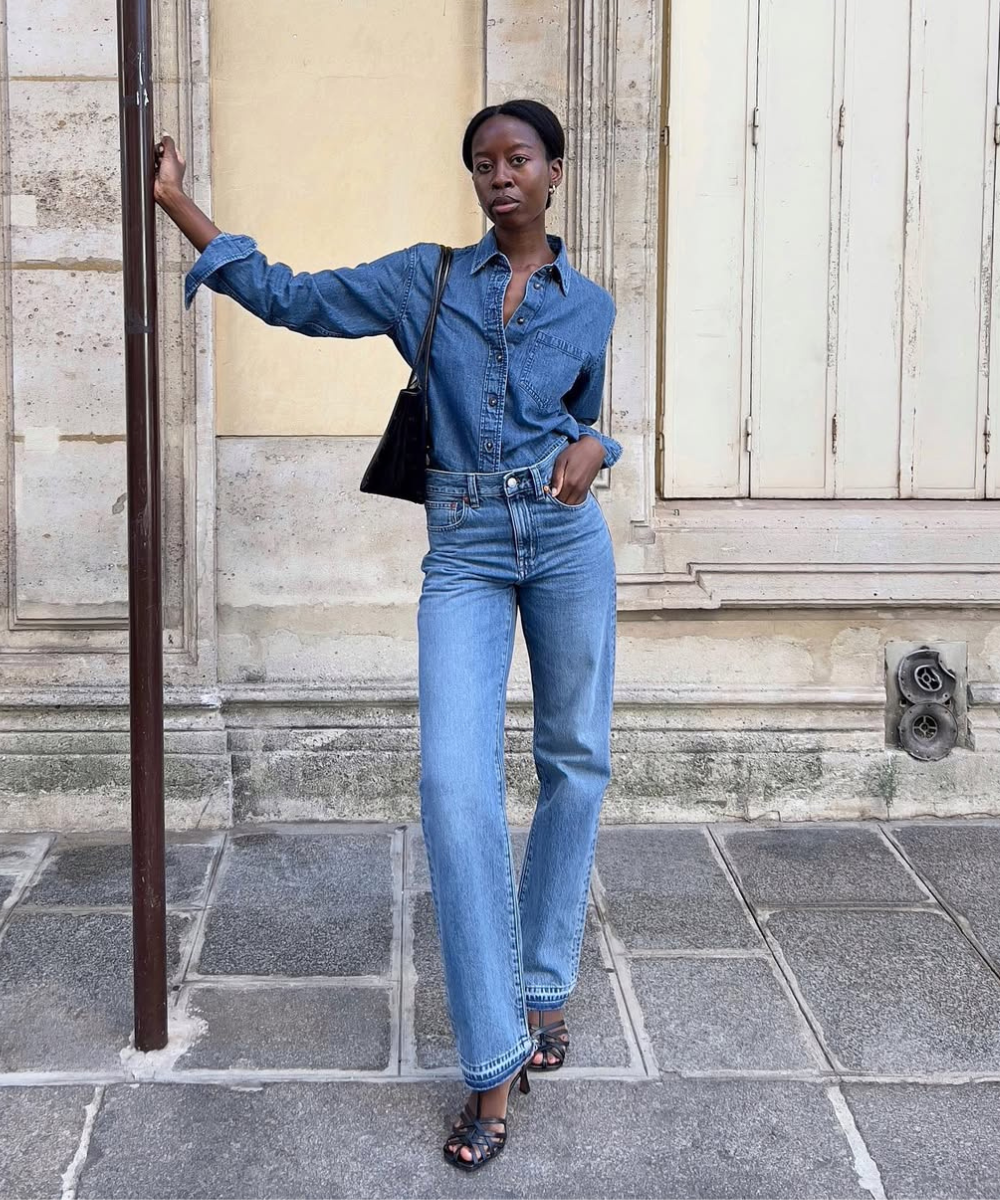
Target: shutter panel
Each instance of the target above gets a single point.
(795, 189)
(945, 404)
(869, 334)
(705, 354)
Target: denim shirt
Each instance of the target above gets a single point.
(500, 397)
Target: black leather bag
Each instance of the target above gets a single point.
(400, 460)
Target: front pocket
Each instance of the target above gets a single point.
(571, 507)
(445, 514)
(550, 370)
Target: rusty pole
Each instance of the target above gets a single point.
(149, 923)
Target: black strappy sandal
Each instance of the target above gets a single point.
(475, 1135)
(550, 1041)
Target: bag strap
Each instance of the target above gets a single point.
(423, 356)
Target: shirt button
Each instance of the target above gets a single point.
(538, 287)
(520, 320)
(511, 484)
(493, 401)
(489, 445)
(499, 356)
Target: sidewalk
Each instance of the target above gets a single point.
(806, 1011)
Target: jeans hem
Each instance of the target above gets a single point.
(546, 1003)
(491, 1074)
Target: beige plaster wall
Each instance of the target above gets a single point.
(337, 129)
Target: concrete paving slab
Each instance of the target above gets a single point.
(575, 1138)
(101, 874)
(41, 1131)
(665, 890)
(66, 989)
(817, 863)
(302, 904)
(272, 1028)
(931, 1143)
(720, 1015)
(962, 861)
(894, 993)
(417, 874)
(592, 1013)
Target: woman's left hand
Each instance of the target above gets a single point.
(576, 469)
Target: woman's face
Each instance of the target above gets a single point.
(511, 173)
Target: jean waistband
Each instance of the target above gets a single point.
(477, 485)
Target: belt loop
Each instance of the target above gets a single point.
(471, 490)
(539, 480)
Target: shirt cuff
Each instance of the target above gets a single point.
(222, 249)
(612, 449)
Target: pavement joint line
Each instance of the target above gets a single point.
(902, 858)
(762, 954)
(192, 960)
(635, 1027)
(261, 982)
(258, 1076)
(918, 906)
(716, 846)
(790, 982)
(26, 879)
(407, 1061)
(314, 828)
(397, 856)
(865, 1166)
(637, 1061)
(90, 910)
(71, 1176)
(958, 919)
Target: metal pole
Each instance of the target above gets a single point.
(149, 923)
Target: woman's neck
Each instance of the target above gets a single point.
(525, 247)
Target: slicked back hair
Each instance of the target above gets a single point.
(539, 116)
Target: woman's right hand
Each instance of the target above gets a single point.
(170, 167)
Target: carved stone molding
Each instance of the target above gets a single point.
(818, 554)
(590, 109)
(567, 58)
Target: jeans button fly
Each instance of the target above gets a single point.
(511, 484)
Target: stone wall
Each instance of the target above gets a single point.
(752, 637)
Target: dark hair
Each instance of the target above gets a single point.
(541, 119)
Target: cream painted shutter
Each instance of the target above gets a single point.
(706, 348)
(792, 238)
(952, 163)
(851, 249)
(870, 283)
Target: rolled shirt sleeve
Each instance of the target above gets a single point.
(350, 302)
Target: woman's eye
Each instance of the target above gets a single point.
(518, 158)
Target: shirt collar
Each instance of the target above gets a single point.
(487, 250)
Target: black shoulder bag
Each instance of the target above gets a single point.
(400, 460)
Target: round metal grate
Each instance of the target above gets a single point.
(928, 731)
(928, 678)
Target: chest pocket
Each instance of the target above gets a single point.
(551, 368)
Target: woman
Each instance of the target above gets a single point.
(515, 385)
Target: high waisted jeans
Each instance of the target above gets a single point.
(498, 544)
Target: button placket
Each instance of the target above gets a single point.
(496, 379)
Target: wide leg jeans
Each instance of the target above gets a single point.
(500, 544)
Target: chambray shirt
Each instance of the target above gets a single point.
(500, 397)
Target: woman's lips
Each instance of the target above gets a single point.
(504, 205)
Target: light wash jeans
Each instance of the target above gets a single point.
(499, 544)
